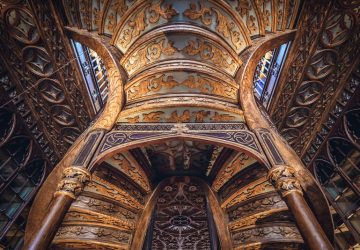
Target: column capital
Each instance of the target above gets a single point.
(284, 179)
(73, 181)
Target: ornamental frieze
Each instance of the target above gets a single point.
(181, 115)
(179, 46)
(179, 83)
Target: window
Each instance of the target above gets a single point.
(94, 74)
(267, 73)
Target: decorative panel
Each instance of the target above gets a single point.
(39, 61)
(130, 167)
(180, 115)
(324, 52)
(231, 168)
(180, 46)
(180, 219)
(177, 157)
(183, 82)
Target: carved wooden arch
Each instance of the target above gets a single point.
(256, 121)
(103, 122)
(182, 132)
(261, 125)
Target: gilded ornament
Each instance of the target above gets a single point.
(132, 170)
(100, 186)
(73, 181)
(136, 26)
(174, 117)
(256, 188)
(193, 14)
(157, 83)
(284, 179)
(150, 53)
(156, 12)
(207, 51)
(222, 117)
(152, 116)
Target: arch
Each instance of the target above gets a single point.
(254, 119)
(351, 126)
(258, 121)
(328, 170)
(332, 147)
(254, 150)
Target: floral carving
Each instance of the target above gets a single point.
(270, 232)
(149, 54)
(284, 180)
(132, 170)
(73, 181)
(230, 169)
(258, 187)
(160, 82)
(156, 12)
(204, 13)
(222, 117)
(136, 26)
(139, 22)
(177, 116)
(100, 186)
(207, 51)
(152, 116)
(225, 27)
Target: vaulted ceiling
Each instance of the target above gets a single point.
(180, 60)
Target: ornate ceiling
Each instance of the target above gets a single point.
(178, 64)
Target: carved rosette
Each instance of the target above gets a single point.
(284, 180)
(73, 181)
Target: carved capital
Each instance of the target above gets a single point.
(73, 181)
(284, 180)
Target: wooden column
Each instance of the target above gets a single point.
(71, 185)
(284, 179)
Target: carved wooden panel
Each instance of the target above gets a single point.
(180, 115)
(180, 83)
(130, 167)
(179, 157)
(181, 216)
(239, 162)
(37, 55)
(324, 53)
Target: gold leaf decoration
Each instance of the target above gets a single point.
(193, 14)
(149, 54)
(136, 26)
(152, 116)
(206, 51)
(204, 84)
(156, 12)
(185, 117)
(222, 117)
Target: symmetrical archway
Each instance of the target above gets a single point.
(166, 63)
